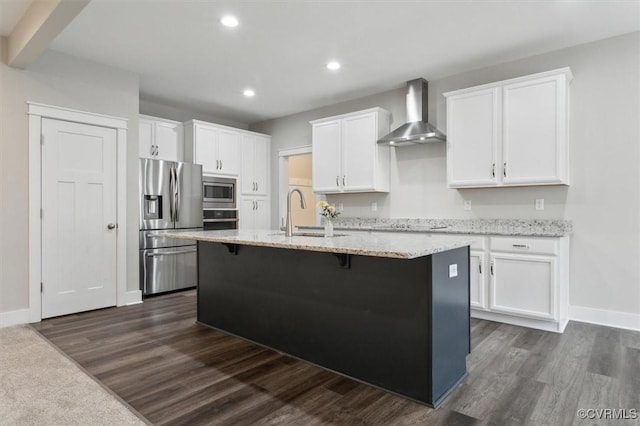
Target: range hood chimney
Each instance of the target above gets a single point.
(417, 130)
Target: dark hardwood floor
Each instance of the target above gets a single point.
(173, 371)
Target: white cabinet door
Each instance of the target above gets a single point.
(205, 147)
(261, 212)
(523, 285)
(247, 214)
(229, 152)
(255, 157)
(168, 139)
(146, 145)
(262, 165)
(254, 213)
(359, 152)
(477, 278)
(247, 174)
(534, 122)
(327, 173)
(473, 132)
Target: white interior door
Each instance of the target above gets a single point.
(79, 208)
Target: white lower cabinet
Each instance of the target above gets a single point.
(254, 213)
(526, 282)
(524, 285)
(478, 280)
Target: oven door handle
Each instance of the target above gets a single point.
(172, 253)
(219, 220)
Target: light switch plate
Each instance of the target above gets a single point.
(374, 207)
(539, 203)
(467, 204)
(453, 270)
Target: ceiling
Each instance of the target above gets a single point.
(186, 58)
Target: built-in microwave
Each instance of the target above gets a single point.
(218, 193)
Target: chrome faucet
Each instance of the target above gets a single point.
(288, 230)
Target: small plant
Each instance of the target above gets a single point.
(327, 210)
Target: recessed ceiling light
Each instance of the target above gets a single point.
(333, 65)
(229, 21)
(249, 93)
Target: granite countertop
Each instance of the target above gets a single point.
(512, 227)
(377, 244)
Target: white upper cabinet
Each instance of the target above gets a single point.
(472, 138)
(255, 161)
(510, 133)
(346, 155)
(216, 147)
(160, 139)
(327, 154)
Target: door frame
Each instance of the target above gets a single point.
(36, 113)
(283, 180)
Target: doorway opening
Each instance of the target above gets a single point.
(296, 172)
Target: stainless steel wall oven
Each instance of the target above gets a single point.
(214, 219)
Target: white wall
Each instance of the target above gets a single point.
(602, 202)
(66, 81)
(156, 109)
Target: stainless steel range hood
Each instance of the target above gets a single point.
(417, 130)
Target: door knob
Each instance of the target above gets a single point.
(111, 226)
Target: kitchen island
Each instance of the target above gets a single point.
(388, 310)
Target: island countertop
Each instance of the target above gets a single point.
(377, 244)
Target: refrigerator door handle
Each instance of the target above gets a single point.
(172, 186)
(176, 194)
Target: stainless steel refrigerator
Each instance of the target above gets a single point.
(170, 198)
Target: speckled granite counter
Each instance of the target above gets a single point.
(515, 227)
(409, 246)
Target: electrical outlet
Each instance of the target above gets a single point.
(453, 270)
(374, 207)
(340, 207)
(467, 204)
(539, 203)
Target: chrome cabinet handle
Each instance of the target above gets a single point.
(337, 180)
(111, 226)
(220, 164)
(504, 169)
(520, 245)
(344, 180)
(493, 170)
(480, 267)
(257, 186)
(491, 268)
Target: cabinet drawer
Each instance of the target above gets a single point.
(525, 245)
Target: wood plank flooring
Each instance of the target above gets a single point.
(175, 372)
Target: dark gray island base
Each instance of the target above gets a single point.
(398, 324)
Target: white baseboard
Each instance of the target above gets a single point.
(604, 317)
(554, 326)
(133, 297)
(20, 316)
